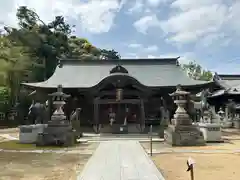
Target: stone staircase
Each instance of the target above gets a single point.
(132, 128)
(112, 137)
(106, 129)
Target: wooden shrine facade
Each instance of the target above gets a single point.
(133, 88)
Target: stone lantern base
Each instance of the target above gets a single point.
(58, 132)
(184, 135)
(60, 135)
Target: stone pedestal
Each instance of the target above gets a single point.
(56, 135)
(226, 123)
(184, 136)
(211, 132)
(28, 133)
(58, 132)
(120, 129)
(236, 123)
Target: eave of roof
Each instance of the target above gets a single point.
(229, 76)
(222, 92)
(228, 81)
(148, 72)
(173, 61)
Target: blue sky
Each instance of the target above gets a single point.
(205, 31)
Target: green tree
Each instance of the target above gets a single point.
(46, 42)
(16, 65)
(81, 48)
(110, 54)
(196, 71)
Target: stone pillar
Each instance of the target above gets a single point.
(182, 132)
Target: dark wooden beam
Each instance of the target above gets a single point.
(124, 101)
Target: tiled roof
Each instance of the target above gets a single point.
(148, 72)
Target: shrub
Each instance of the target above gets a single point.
(4, 98)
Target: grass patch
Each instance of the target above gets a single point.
(15, 145)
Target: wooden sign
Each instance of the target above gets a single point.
(119, 94)
(190, 164)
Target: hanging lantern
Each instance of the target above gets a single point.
(119, 93)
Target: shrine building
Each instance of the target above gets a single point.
(137, 87)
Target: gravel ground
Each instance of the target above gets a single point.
(207, 167)
(50, 166)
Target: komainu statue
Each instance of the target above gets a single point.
(75, 121)
(37, 112)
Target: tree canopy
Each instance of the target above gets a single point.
(196, 71)
(31, 51)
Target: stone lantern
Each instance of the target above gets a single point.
(59, 130)
(182, 132)
(58, 99)
(180, 99)
(221, 113)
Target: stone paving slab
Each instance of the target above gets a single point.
(112, 137)
(121, 139)
(9, 130)
(203, 151)
(8, 137)
(120, 160)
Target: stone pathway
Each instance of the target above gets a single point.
(155, 151)
(8, 137)
(202, 151)
(112, 137)
(120, 160)
(9, 130)
(40, 151)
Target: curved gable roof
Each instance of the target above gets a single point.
(149, 72)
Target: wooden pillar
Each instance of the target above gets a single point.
(96, 115)
(50, 108)
(119, 115)
(142, 115)
(78, 111)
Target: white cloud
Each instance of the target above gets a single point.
(130, 56)
(156, 3)
(188, 26)
(151, 56)
(189, 4)
(95, 16)
(142, 48)
(135, 45)
(152, 48)
(144, 6)
(219, 38)
(98, 16)
(143, 24)
(209, 21)
(184, 57)
(138, 6)
(233, 17)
